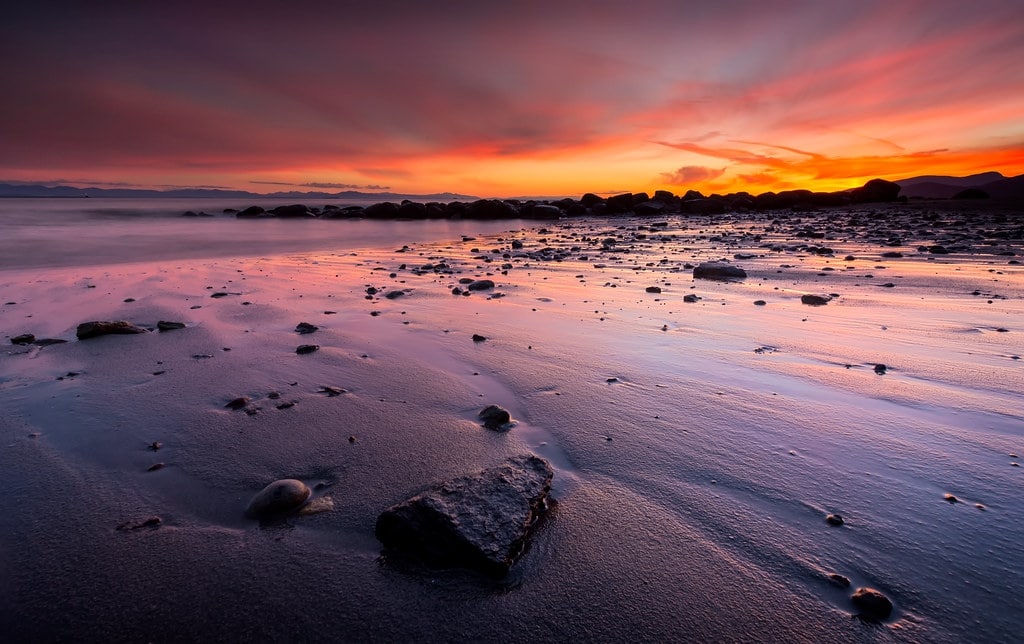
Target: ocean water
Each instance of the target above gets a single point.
(698, 446)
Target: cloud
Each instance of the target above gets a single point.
(691, 174)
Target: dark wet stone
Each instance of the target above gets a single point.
(26, 338)
(760, 303)
(872, 603)
(834, 519)
(286, 405)
(892, 254)
(718, 271)
(480, 285)
(950, 498)
(250, 212)
(880, 369)
(97, 328)
(392, 295)
(815, 300)
(495, 417)
(691, 298)
(839, 580)
(305, 327)
(154, 446)
(156, 466)
(238, 403)
(307, 348)
(280, 497)
(479, 338)
(653, 289)
(482, 521)
(164, 325)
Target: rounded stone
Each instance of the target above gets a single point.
(280, 497)
(835, 519)
(872, 603)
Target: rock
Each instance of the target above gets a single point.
(871, 603)
(718, 271)
(97, 328)
(482, 521)
(278, 498)
(26, 338)
(880, 369)
(760, 303)
(950, 498)
(394, 295)
(690, 298)
(495, 417)
(45, 342)
(839, 580)
(874, 191)
(653, 289)
(305, 327)
(480, 285)
(164, 325)
(307, 348)
(479, 338)
(815, 300)
(151, 522)
(238, 403)
(156, 466)
(250, 212)
(834, 519)
(293, 211)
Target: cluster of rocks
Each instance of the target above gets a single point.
(642, 203)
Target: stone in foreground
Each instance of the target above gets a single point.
(97, 328)
(481, 521)
(495, 417)
(280, 497)
(718, 271)
(872, 604)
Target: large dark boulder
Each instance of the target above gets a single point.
(97, 328)
(295, 211)
(718, 271)
(491, 209)
(620, 203)
(876, 190)
(542, 211)
(590, 199)
(482, 521)
(382, 210)
(412, 210)
(251, 213)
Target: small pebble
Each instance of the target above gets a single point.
(834, 519)
(950, 498)
(479, 338)
(307, 348)
(155, 466)
(839, 580)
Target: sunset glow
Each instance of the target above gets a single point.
(526, 99)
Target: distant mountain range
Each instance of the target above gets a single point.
(993, 184)
(20, 190)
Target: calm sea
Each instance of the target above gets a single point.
(36, 233)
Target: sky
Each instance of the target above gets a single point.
(553, 98)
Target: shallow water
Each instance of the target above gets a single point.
(697, 446)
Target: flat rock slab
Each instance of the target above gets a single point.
(718, 271)
(97, 328)
(482, 521)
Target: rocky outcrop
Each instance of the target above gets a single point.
(97, 328)
(482, 521)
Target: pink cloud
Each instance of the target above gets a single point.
(691, 174)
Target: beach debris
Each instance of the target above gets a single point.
(480, 285)
(481, 521)
(811, 299)
(238, 403)
(834, 519)
(164, 325)
(872, 604)
(151, 522)
(278, 498)
(97, 328)
(303, 328)
(718, 271)
(479, 338)
(880, 369)
(839, 580)
(25, 338)
(307, 348)
(495, 417)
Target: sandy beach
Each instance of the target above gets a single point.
(698, 446)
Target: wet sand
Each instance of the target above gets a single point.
(697, 446)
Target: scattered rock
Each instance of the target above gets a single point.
(481, 521)
(495, 417)
(26, 338)
(331, 391)
(97, 328)
(815, 300)
(834, 519)
(164, 325)
(307, 348)
(839, 580)
(690, 298)
(238, 403)
(759, 303)
(718, 271)
(480, 285)
(278, 498)
(303, 328)
(653, 289)
(872, 604)
(950, 498)
(880, 369)
(154, 446)
(394, 295)
(156, 466)
(479, 338)
(151, 522)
